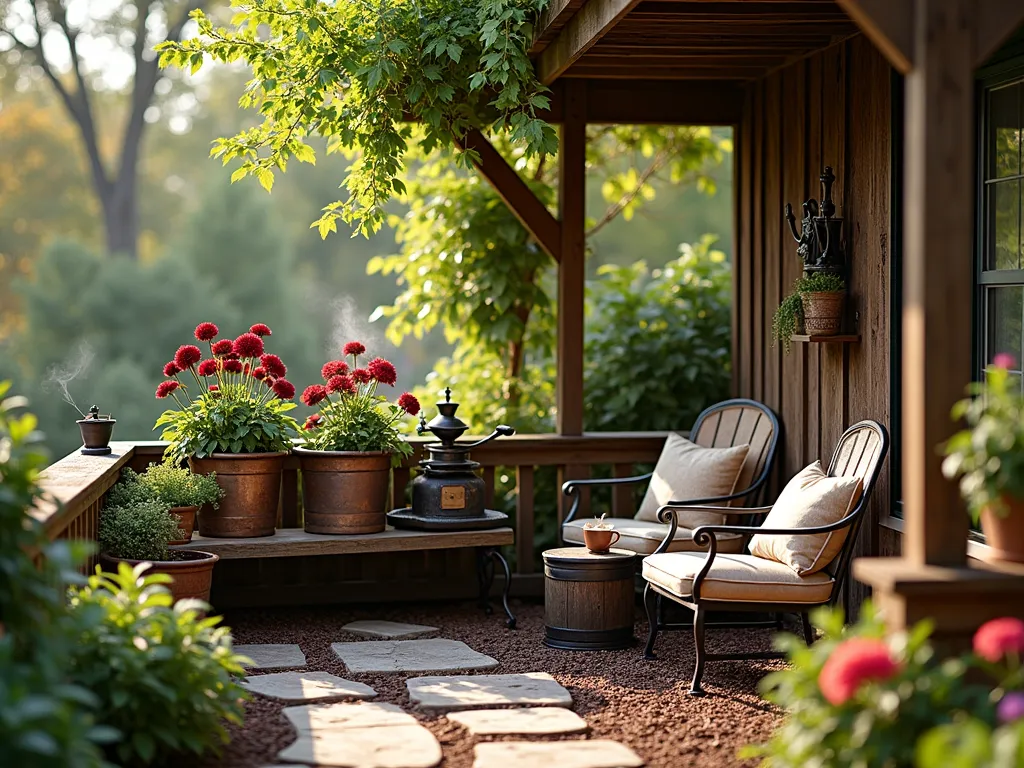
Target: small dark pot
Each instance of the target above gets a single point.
(96, 435)
(1005, 535)
(344, 491)
(252, 493)
(186, 517)
(191, 576)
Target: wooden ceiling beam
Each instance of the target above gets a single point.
(997, 20)
(588, 25)
(664, 73)
(551, 22)
(889, 25)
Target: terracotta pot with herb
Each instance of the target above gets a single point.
(232, 421)
(815, 306)
(988, 458)
(141, 532)
(181, 490)
(351, 444)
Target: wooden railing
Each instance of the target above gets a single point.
(75, 486)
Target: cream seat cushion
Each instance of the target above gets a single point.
(643, 537)
(810, 499)
(687, 471)
(740, 578)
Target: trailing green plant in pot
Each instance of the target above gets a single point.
(140, 532)
(184, 492)
(351, 444)
(236, 425)
(815, 305)
(988, 458)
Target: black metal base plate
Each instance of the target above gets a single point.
(97, 451)
(404, 518)
(589, 640)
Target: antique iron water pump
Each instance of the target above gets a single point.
(820, 238)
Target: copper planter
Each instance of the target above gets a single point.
(823, 312)
(344, 491)
(186, 517)
(191, 576)
(252, 494)
(1005, 535)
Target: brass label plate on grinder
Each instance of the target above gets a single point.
(453, 497)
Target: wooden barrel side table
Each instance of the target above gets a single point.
(588, 599)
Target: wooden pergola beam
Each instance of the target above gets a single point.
(888, 25)
(997, 20)
(588, 25)
(655, 102)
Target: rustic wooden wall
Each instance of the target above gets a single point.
(831, 109)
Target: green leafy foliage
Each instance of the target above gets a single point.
(164, 676)
(988, 456)
(657, 346)
(353, 73)
(45, 719)
(171, 485)
(140, 531)
(789, 316)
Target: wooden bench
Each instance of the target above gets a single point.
(295, 542)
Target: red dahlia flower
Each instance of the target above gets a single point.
(361, 375)
(272, 364)
(342, 384)
(213, 388)
(999, 638)
(313, 394)
(222, 347)
(269, 381)
(248, 345)
(171, 369)
(187, 356)
(232, 366)
(232, 356)
(284, 389)
(312, 422)
(353, 348)
(260, 330)
(408, 403)
(166, 387)
(334, 368)
(259, 373)
(208, 367)
(206, 331)
(383, 371)
(852, 663)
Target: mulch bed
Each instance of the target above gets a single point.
(622, 697)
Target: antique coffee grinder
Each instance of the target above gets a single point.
(448, 495)
(820, 239)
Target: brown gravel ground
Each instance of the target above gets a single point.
(622, 697)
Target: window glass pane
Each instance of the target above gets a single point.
(1004, 312)
(1004, 225)
(1004, 134)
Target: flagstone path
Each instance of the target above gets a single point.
(272, 655)
(306, 686)
(388, 630)
(434, 655)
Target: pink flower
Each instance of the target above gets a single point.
(353, 348)
(853, 663)
(171, 369)
(208, 367)
(361, 375)
(206, 331)
(232, 366)
(383, 371)
(312, 422)
(166, 387)
(313, 394)
(334, 368)
(284, 389)
(1011, 708)
(222, 347)
(272, 364)
(999, 638)
(260, 330)
(248, 345)
(341, 384)
(187, 356)
(1005, 361)
(408, 403)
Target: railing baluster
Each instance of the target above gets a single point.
(399, 483)
(489, 487)
(524, 520)
(622, 495)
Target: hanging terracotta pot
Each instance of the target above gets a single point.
(186, 517)
(823, 312)
(252, 494)
(344, 491)
(192, 575)
(1004, 535)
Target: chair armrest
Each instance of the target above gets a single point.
(709, 500)
(702, 533)
(573, 487)
(667, 514)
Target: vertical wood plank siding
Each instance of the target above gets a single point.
(830, 109)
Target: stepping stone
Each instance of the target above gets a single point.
(410, 656)
(306, 686)
(360, 736)
(564, 754)
(387, 630)
(272, 655)
(447, 694)
(532, 721)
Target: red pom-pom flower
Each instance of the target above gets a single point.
(171, 369)
(853, 663)
(208, 367)
(272, 365)
(999, 638)
(342, 384)
(361, 375)
(166, 387)
(284, 389)
(222, 347)
(353, 348)
(334, 368)
(313, 394)
(248, 345)
(187, 356)
(408, 403)
(259, 373)
(206, 331)
(260, 330)
(383, 371)
(213, 388)
(232, 366)
(312, 422)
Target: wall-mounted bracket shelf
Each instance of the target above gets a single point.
(839, 339)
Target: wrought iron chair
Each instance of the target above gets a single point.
(860, 453)
(723, 425)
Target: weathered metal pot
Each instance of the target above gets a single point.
(96, 434)
(1005, 535)
(823, 312)
(252, 494)
(344, 491)
(191, 576)
(186, 517)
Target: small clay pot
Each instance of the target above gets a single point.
(96, 434)
(823, 312)
(1004, 536)
(186, 517)
(191, 576)
(600, 540)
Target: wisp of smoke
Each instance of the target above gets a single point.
(348, 324)
(58, 377)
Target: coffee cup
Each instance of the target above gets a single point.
(600, 539)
